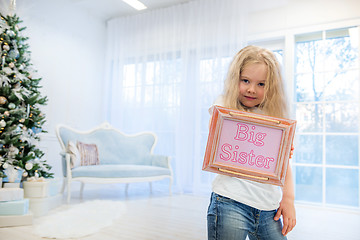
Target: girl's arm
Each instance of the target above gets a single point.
(287, 207)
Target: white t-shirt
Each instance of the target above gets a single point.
(261, 196)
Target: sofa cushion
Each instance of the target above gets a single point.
(75, 158)
(119, 171)
(89, 154)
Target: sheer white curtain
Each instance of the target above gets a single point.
(164, 69)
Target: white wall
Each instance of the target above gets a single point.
(68, 50)
(67, 46)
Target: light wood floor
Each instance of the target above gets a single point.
(182, 216)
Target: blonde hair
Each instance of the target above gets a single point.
(274, 102)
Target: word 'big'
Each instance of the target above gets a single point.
(243, 134)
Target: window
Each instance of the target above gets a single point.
(151, 93)
(326, 83)
(212, 76)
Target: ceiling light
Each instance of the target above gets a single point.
(136, 4)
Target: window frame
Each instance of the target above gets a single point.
(286, 40)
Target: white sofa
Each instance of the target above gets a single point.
(122, 158)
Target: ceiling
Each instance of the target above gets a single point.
(107, 9)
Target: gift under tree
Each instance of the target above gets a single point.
(21, 119)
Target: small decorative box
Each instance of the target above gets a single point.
(35, 189)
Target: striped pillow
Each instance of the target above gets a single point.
(89, 154)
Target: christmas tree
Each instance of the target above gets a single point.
(21, 119)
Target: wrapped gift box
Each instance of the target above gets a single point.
(17, 220)
(12, 185)
(35, 189)
(20, 207)
(11, 194)
(13, 175)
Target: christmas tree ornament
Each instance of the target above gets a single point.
(28, 166)
(11, 65)
(12, 106)
(2, 123)
(14, 54)
(6, 113)
(25, 174)
(36, 130)
(10, 33)
(6, 47)
(8, 71)
(3, 100)
(22, 120)
(13, 151)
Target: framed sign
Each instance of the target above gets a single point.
(249, 145)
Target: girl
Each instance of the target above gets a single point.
(240, 208)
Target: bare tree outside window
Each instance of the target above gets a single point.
(327, 110)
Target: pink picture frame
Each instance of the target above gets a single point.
(249, 145)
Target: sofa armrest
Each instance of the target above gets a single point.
(160, 161)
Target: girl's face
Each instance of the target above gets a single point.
(252, 84)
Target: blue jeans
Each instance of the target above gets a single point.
(228, 219)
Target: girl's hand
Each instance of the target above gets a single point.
(287, 210)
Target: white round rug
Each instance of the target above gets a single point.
(79, 220)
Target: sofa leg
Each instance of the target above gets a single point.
(63, 186)
(68, 191)
(126, 188)
(82, 190)
(170, 184)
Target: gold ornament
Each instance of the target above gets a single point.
(3, 100)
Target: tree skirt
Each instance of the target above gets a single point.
(79, 220)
